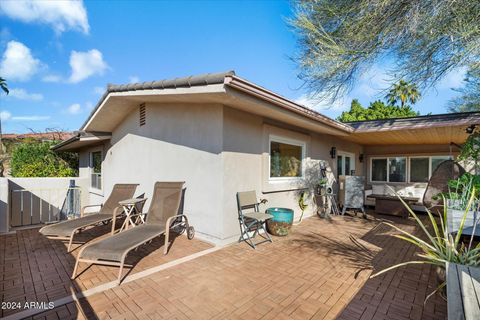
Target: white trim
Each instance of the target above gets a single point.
(352, 161)
(290, 141)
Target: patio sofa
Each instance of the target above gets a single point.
(410, 190)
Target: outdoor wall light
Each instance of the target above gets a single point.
(333, 152)
(360, 157)
(470, 129)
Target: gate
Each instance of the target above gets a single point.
(35, 206)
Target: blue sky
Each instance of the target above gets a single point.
(58, 56)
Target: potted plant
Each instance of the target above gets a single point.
(457, 198)
(439, 246)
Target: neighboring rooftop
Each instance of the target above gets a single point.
(60, 135)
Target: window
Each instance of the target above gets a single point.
(437, 160)
(397, 169)
(345, 163)
(379, 170)
(96, 169)
(286, 158)
(419, 169)
(339, 165)
(394, 169)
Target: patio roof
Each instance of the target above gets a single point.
(429, 129)
(82, 139)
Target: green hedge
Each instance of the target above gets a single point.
(36, 159)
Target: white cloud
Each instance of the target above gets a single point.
(99, 90)
(31, 118)
(74, 109)
(86, 64)
(133, 79)
(341, 104)
(23, 94)
(5, 115)
(373, 82)
(454, 79)
(18, 63)
(51, 78)
(61, 15)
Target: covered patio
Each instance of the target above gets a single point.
(320, 271)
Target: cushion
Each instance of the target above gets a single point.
(378, 189)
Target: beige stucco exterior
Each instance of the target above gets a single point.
(216, 149)
(216, 135)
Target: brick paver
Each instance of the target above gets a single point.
(34, 268)
(320, 271)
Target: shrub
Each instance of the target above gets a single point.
(36, 159)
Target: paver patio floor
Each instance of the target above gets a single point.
(320, 271)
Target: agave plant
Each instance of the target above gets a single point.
(439, 246)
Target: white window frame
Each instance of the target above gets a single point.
(294, 142)
(408, 171)
(352, 163)
(91, 169)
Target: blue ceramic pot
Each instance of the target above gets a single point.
(281, 222)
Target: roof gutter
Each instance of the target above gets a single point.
(255, 90)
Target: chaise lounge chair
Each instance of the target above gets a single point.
(110, 210)
(163, 211)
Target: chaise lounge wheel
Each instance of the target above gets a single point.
(190, 233)
(178, 226)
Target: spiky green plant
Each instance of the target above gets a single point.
(439, 246)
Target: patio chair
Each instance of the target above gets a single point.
(251, 221)
(162, 212)
(110, 210)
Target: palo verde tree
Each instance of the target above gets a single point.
(340, 39)
(469, 99)
(3, 85)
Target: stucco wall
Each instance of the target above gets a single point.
(246, 162)
(217, 150)
(178, 143)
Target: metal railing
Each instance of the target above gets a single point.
(34, 206)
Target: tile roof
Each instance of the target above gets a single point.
(183, 82)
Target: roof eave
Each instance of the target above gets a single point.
(260, 92)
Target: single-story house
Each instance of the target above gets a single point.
(222, 134)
